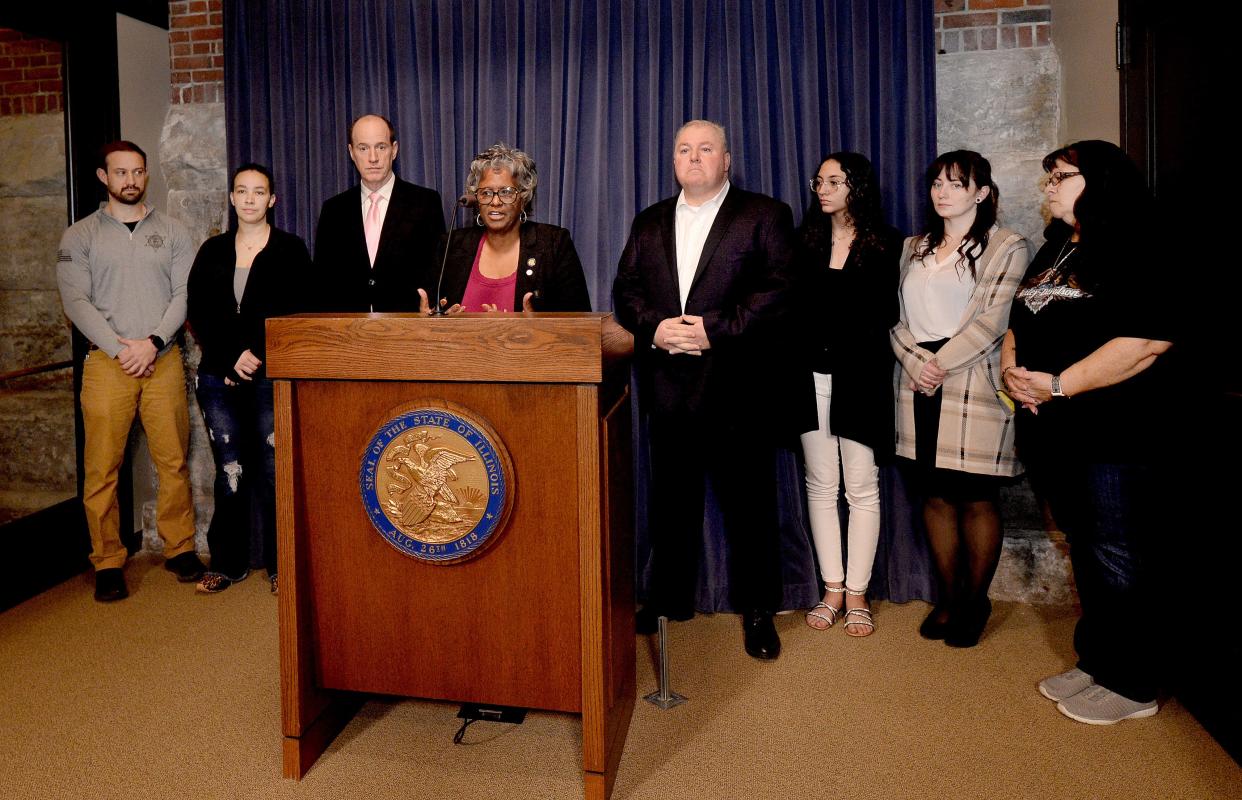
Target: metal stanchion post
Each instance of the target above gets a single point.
(664, 698)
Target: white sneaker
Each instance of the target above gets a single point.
(1066, 685)
(1099, 706)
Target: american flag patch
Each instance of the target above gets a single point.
(63, 255)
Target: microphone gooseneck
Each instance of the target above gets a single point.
(438, 310)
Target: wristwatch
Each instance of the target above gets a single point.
(157, 341)
(1056, 387)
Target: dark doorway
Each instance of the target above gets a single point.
(1170, 128)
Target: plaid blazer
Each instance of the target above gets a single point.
(976, 429)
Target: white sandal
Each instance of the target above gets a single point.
(864, 617)
(833, 613)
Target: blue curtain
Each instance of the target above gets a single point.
(594, 90)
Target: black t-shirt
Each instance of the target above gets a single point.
(1057, 320)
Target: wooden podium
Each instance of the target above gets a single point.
(544, 617)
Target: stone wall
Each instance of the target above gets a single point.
(192, 157)
(1003, 103)
(36, 413)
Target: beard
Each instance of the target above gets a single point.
(129, 195)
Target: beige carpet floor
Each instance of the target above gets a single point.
(171, 694)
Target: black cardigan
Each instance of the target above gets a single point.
(862, 376)
(278, 285)
(547, 265)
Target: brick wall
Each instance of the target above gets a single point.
(963, 25)
(196, 50)
(30, 75)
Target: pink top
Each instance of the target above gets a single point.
(481, 289)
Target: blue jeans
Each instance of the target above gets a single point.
(240, 425)
(1112, 515)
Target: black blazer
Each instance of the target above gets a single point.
(412, 227)
(555, 276)
(741, 289)
(278, 284)
(855, 327)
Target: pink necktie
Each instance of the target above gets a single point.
(372, 226)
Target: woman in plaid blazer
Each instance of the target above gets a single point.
(957, 284)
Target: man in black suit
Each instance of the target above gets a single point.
(375, 244)
(703, 286)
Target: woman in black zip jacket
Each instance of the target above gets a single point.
(239, 280)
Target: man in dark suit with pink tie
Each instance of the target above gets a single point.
(375, 243)
(703, 285)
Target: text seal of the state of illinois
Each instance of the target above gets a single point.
(437, 482)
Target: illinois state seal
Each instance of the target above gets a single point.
(437, 482)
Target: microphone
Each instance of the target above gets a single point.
(438, 310)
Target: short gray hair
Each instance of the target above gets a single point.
(724, 137)
(502, 156)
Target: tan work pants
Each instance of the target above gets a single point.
(109, 401)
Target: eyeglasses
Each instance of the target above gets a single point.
(833, 184)
(1055, 178)
(508, 195)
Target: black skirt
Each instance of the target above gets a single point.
(950, 484)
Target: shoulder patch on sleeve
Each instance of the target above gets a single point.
(63, 255)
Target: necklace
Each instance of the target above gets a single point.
(259, 240)
(1063, 255)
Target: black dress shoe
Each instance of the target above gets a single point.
(967, 627)
(186, 567)
(647, 620)
(933, 628)
(110, 585)
(760, 635)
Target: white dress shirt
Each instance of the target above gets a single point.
(693, 225)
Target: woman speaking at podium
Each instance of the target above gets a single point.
(506, 262)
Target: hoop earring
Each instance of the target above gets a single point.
(522, 217)
(478, 220)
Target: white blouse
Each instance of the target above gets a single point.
(935, 295)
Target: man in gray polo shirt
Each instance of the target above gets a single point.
(122, 274)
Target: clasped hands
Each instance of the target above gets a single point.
(683, 334)
(1028, 388)
(424, 304)
(137, 357)
(929, 379)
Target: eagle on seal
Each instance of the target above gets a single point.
(423, 480)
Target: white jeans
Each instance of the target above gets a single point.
(827, 458)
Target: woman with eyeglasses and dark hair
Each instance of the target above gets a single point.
(239, 279)
(507, 262)
(1086, 356)
(957, 284)
(848, 261)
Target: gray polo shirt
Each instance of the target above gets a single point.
(115, 283)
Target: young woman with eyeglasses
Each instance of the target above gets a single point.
(849, 266)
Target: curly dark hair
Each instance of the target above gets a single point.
(1114, 210)
(968, 167)
(862, 207)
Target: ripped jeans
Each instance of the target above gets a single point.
(240, 427)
